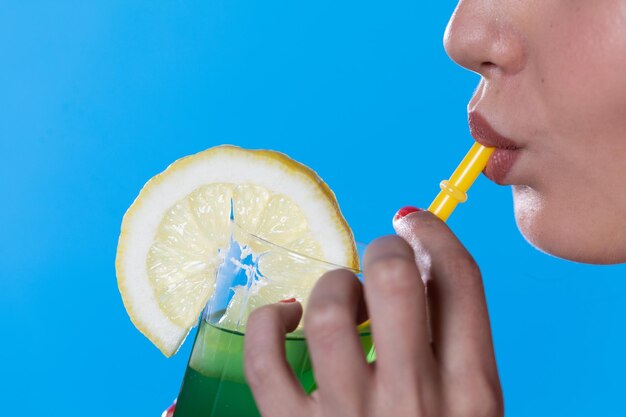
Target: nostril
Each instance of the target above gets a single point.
(487, 67)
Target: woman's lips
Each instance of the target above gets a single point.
(499, 165)
(506, 153)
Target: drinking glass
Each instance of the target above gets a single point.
(254, 272)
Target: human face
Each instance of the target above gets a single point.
(553, 80)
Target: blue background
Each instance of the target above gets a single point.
(96, 97)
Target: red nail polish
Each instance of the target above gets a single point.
(405, 211)
(170, 411)
(288, 300)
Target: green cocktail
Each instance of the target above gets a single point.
(254, 272)
(214, 383)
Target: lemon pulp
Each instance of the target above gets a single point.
(169, 247)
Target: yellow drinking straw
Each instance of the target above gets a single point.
(453, 192)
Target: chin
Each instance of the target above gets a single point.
(564, 233)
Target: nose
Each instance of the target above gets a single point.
(481, 36)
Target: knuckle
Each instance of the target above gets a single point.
(394, 275)
(480, 399)
(257, 368)
(412, 397)
(463, 266)
(486, 407)
(462, 263)
(326, 319)
(257, 365)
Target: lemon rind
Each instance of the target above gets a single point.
(223, 164)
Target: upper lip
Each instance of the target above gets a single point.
(486, 135)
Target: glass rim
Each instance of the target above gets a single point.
(331, 265)
(297, 334)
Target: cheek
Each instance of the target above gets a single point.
(575, 90)
(581, 61)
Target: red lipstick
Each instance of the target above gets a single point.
(503, 158)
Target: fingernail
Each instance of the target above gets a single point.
(405, 211)
(288, 300)
(170, 411)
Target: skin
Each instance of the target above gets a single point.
(552, 80)
(434, 350)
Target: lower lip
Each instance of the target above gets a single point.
(500, 164)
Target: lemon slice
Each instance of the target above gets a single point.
(272, 272)
(171, 236)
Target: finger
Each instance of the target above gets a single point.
(274, 385)
(395, 297)
(459, 316)
(330, 325)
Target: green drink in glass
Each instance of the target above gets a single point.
(254, 272)
(214, 383)
(177, 249)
